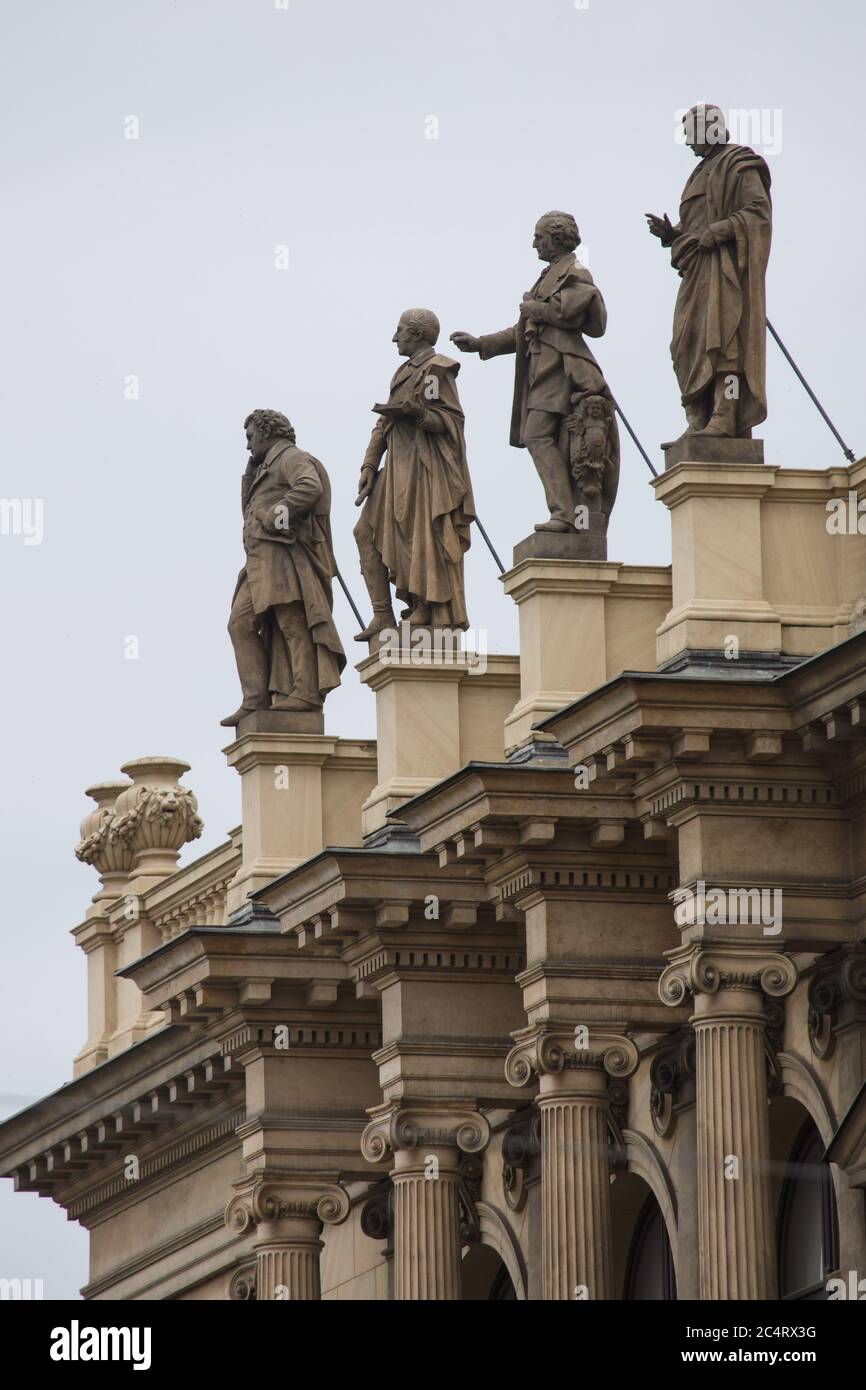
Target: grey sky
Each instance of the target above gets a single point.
(305, 127)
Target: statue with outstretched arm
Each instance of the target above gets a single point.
(554, 369)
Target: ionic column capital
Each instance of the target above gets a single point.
(565, 1052)
(398, 1128)
(301, 1197)
(710, 973)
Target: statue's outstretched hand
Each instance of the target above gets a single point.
(660, 226)
(466, 342)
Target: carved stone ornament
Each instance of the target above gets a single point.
(539, 1052)
(281, 1199)
(446, 1128)
(672, 1081)
(837, 994)
(521, 1149)
(377, 1214)
(471, 1175)
(155, 817)
(242, 1285)
(112, 858)
(705, 971)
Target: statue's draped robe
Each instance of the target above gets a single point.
(295, 565)
(421, 506)
(720, 314)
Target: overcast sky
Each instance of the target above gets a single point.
(307, 126)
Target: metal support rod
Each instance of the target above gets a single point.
(840, 441)
(640, 447)
(489, 545)
(342, 584)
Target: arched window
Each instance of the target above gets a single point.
(649, 1273)
(485, 1277)
(807, 1228)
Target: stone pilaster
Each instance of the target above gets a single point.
(287, 1215)
(737, 1248)
(427, 1144)
(573, 1069)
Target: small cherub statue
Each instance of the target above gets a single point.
(589, 434)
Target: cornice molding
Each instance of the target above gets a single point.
(154, 1166)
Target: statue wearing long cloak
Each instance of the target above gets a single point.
(416, 520)
(287, 570)
(720, 314)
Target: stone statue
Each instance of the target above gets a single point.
(555, 371)
(287, 649)
(720, 247)
(414, 528)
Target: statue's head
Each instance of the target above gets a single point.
(262, 427)
(417, 328)
(705, 129)
(555, 235)
(596, 408)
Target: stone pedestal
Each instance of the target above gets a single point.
(113, 859)
(711, 448)
(761, 566)
(299, 793)
(96, 940)
(435, 711)
(134, 839)
(279, 721)
(581, 623)
(588, 543)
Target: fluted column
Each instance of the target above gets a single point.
(573, 1070)
(734, 1221)
(575, 1191)
(426, 1224)
(287, 1215)
(427, 1143)
(287, 1259)
(735, 1226)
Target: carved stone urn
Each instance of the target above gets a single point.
(112, 859)
(155, 817)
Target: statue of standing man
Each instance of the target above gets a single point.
(720, 247)
(417, 509)
(560, 395)
(287, 649)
